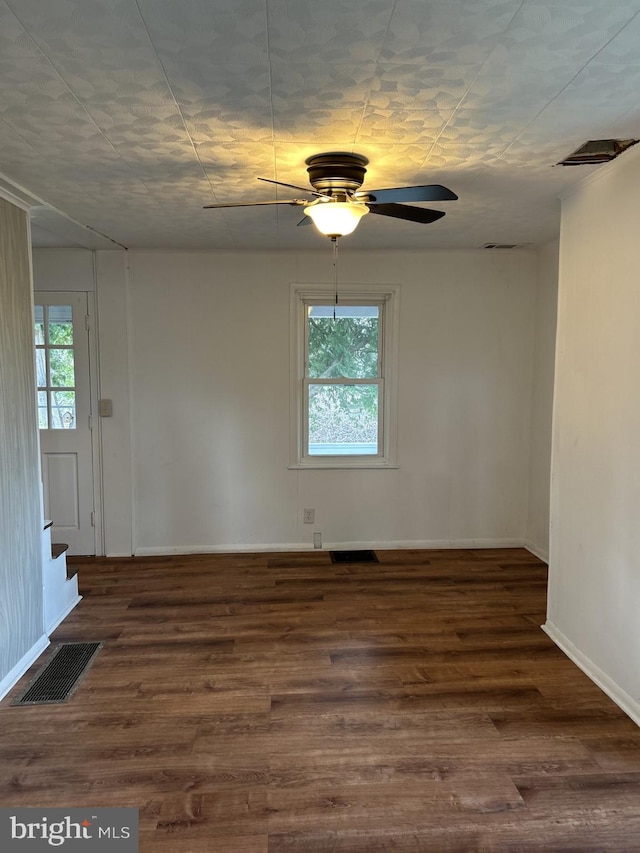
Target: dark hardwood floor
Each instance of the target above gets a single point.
(279, 703)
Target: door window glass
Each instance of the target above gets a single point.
(55, 366)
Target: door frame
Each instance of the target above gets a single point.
(96, 423)
(96, 432)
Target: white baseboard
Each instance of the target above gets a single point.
(259, 547)
(187, 550)
(425, 544)
(536, 550)
(63, 615)
(623, 700)
(23, 665)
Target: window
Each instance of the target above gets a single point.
(344, 386)
(55, 367)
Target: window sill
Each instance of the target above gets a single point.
(342, 464)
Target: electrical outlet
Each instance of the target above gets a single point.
(309, 516)
(317, 540)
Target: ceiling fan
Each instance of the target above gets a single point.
(338, 204)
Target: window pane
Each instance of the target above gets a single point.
(43, 414)
(63, 410)
(60, 325)
(41, 368)
(344, 346)
(343, 420)
(39, 324)
(61, 368)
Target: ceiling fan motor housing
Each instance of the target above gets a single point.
(336, 172)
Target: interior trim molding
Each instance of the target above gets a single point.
(15, 674)
(17, 195)
(257, 547)
(623, 700)
(536, 550)
(60, 617)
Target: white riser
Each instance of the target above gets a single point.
(59, 593)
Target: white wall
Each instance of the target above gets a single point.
(594, 590)
(115, 431)
(198, 344)
(63, 269)
(21, 619)
(209, 372)
(542, 401)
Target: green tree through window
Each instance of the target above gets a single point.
(343, 350)
(55, 367)
(346, 346)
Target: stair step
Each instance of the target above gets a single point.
(72, 572)
(58, 549)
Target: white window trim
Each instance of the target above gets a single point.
(390, 295)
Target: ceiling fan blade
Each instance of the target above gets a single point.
(292, 186)
(292, 201)
(306, 220)
(402, 211)
(432, 192)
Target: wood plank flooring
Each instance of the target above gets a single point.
(279, 703)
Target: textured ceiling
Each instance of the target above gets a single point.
(127, 116)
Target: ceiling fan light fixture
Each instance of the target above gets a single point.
(336, 218)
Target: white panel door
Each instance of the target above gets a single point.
(64, 410)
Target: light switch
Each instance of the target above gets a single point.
(105, 408)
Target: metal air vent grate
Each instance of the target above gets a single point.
(501, 246)
(58, 680)
(597, 151)
(353, 557)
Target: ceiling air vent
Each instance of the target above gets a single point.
(501, 246)
(597, 151)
